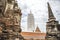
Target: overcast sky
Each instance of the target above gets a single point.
(39, 10)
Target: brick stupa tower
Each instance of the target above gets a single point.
(52, 26)
(10, 20)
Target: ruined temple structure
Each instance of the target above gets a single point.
(52, 26)
(10, 19)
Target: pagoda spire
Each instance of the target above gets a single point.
(30, 12)
(50, 13)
